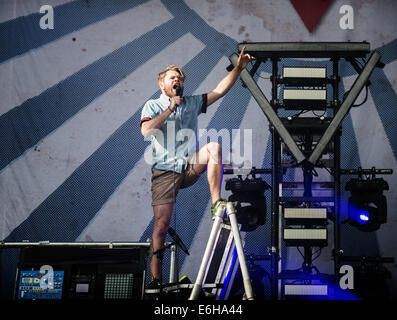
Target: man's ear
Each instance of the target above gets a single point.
(161, 85)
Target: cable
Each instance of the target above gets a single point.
(365, 99)
(300, 252)
(319, 116)
(319, 254)
(256, 74)
(299, 113)
(360, 104)
(261, 76)
(324, 167)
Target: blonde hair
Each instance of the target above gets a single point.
(172, 67)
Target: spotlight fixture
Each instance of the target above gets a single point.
(367, 205)
(251, 213)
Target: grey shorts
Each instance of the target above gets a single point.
(166, 184)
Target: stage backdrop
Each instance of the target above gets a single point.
(74, 76)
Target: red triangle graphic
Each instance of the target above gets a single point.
(311, 11)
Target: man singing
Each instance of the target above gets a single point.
(176, 164)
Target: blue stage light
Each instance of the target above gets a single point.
(367, 205)
(363, 217)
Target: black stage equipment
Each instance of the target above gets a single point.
(370, 276)
(306, 140)
(263, 50)
(367, 204)
(80, 273)
(304, 76)
(304, 99)
(251, 212)
(307, 128)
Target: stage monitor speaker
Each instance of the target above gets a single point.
(63, 273)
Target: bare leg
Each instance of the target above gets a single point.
(162, 217)
(210, 157)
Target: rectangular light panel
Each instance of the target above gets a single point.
(305, 234)
(305, 94)
(304, 72)
(300, 290)
(305, 213)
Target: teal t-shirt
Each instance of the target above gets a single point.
(175, 142)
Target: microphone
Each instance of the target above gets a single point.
(178, 93)
(177, 240)
(178, 90)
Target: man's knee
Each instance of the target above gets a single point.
(214, 147)
(214, 150)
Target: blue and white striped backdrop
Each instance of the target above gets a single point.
(71, 153)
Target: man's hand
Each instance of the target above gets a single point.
(244, 59)
(175, 102)
(227, 82)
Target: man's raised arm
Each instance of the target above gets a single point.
(227, 82)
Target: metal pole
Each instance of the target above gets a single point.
(337, 193)
(75, 244)
(207, 253)
(275, 189)
(230, 209)
(173, 264)
(1, 273)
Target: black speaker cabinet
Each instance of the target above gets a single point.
(63, 273)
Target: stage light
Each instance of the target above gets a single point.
(313, 237)
(305, 99)
(305, 76)
(367, 206)
(251, 212)
(363, 217)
